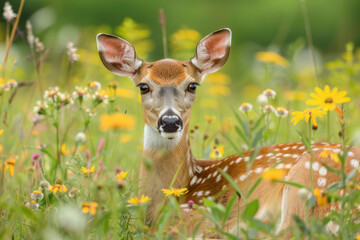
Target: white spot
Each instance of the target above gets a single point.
(242, 177)
(351, 154)
(207, 193)
(198, 169)
(194, 193)
(321, 182)
(206, 168)
(238, 160)
(315, 166)
(295, 147)
(223, 187)
(332, 227)
(288, 166)
(191, 172)
(279, 166)
(269, 154)
(246, 159)
(322, 171)
(307, 164)
(285, 149)
(277, 149)
(200, 201)
(209, 176)
(315, 149)
(232, 162)
(278, 154)
(295, 156)
(287, 155)
(225, 168)
(193, 180)
(302, 147)
(258, 170)
(198, 181)
(354, 163)
(215, 173)
(218, 178)
(259, 157)
(200, 193)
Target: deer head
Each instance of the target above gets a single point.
(167, 86)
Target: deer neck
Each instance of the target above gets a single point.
(166, 157)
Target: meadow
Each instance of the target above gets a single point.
(71, 134)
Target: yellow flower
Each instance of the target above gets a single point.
(35, 133)
(58, 187)
(124, 93)
(218, 151)
(63, 150)
(1, 131)
(1, 67)
(209, 119)
(116, 121)
(358, 237)
(86, 171)
(321, 198)
(271, 57)
(137, 201)
(273, 174)
(175, 191)
(9, 164)
(122, 175)
(125, 138)
(89, 207)
(312, 113)
(184, 39)
(327, 98)
(327, 153)
(218, 78)
(1, 148)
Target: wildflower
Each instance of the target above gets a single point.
(11, 83)
(58, 187)
(137, 201)
(39, 46)
(269, 93)
(45, 185)
(281, 112)
(245, 107)
(175, 191)
(190, 203)
(95, 86)
(307, 114)
(327, 98)
(9, 164)
(321, 198)
(88, 171)
(217, 152)
(37, 195)
(8, 13)
(273, 174)
(209, 119)
(40, 108)
(116, 121)
(36, 156)
(80, 93)
(89, 207)
(73, 192)
(71, 52)
(101, 96)
(121, 175)
(80, 138)
(331, 154)
(35, 133)
(262, 99)
(357, 236)
(271, 57)
(30, 36)
(268, 109)
(1, 131)
(304, 194)
(63, 149)
(32, 205)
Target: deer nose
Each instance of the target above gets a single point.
(170, 122)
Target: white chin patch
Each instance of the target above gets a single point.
(170, 136)
(155, 140)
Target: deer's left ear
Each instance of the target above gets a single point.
(212, 51)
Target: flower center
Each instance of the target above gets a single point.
(329, 100)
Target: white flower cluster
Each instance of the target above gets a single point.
(8, 13)
(71, 52)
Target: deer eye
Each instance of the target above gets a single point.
(144, 88)
(192, 87)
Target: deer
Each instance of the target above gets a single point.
(168, 90)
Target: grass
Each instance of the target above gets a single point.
(85, 139)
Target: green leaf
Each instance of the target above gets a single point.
(228, 208)
(259, 121)
(258, 137)
(251, 209)
(242, 135)
(351, 175)
(231, 142)
(227, 235)
(231, 181)
(253, 187)
(294, 184)
(302, 226)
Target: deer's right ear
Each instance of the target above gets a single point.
(118, 55)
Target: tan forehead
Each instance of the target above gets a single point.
(168, 71)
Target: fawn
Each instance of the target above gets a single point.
(168, 90)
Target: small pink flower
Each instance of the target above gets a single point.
(190, 203)
(118, 170)
(36, 156)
